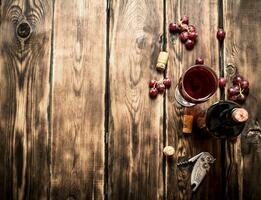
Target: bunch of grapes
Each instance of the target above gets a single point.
(188, 34)
(157, 87)
(239, 91)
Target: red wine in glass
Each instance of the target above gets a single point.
(196, 85)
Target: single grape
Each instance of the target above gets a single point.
(199, 61)
(232, 98)
(192, 35)
(241, 98)
(183, 36)
(222, 82)
(161, 88)
(244, 84)
(232, 91)
(245, 91)
(237, 80)
(153, 83)
(173, 28)
(189, 44)
(167, 82)
(191, 28)
(221, 34)
(185, 19)
(237, 88)
(183, 27)
(153, 92)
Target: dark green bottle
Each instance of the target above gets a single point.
(226, 119)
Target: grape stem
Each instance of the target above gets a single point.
(241, 91)
(160, 81)
(179, 22)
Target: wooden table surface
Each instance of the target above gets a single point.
(76, 121)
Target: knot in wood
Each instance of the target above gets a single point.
(231, 70)
(23, 30)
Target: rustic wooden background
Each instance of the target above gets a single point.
(76, 121)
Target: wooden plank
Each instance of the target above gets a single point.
(136, 121)
(78, 100)
(242, 20)
(204, 15)
(25, 29)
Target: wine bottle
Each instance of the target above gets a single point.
(226, 119)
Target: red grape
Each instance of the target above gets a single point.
(245, 91)
(153, 92)
(191, 28)
(189, 44)
(237, 80)
(221, 34)
(240, 89)
(185, 19)
(192, 35)
(234, 90)
(173, 28)
(241, 98)
(199, 61)
(244, 84)
(161, 88)
(167, 82)
(184, 36)
(153, 83)
(237, 88)
(233, 98)
(222, 82)
(183, 27)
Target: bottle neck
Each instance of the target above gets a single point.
(239, 115)
(235, 115)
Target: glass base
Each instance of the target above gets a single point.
(181, 100)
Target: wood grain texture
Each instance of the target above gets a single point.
(78, 100)
(68, 76)
(24, 93)
(136, 121)
(242, 20)
(203, 14)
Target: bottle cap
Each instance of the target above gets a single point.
(169, 151)
(240, 115)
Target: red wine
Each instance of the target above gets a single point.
(226, 119)
(199, 82)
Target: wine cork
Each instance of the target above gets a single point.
(162, 61)
(169, 151)
(240, 115)
(187, 123)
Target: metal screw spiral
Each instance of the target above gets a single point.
(183, 163)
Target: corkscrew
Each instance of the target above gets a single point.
(200, 168)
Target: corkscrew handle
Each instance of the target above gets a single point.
(191, 160)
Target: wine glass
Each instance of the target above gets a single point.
(196, 85)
